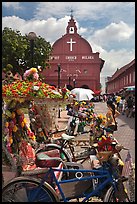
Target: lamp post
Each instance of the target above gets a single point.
(74, 82)
(32, 36)
(58, 76)
(69, 80)
(59, 86)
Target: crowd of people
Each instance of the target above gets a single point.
(124, 104)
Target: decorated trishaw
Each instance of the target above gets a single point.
(17, 95)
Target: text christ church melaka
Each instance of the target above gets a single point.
(78, 64)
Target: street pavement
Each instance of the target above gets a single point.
(125, 134)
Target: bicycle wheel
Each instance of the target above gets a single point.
(25, 189)
(64, 154)
(110, 196)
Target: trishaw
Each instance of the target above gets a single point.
(52, 183)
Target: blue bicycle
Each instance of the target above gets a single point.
(50, 184)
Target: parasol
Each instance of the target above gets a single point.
(82, 94)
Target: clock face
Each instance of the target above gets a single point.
(71, 30)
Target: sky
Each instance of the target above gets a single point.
(109, 27)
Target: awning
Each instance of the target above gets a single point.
(129, 88)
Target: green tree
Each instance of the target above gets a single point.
(16, 51)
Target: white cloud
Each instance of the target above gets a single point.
(42, 28)
(116, 59)
(82, 10)
(114, 32)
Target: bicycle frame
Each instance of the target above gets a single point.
(102, 174)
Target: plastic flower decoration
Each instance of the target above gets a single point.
(104, 143)
(76, 103)
(16, 127)
(99, 119)
(65, 92)
(31, 74)
(32, 86)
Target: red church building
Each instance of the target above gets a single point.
(73, 62)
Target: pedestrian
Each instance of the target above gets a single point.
(129, 106)
(111, 115)
(118, 98)
(114, 99)
(123, 102)
(104, 98)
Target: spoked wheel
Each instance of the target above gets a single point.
(23, 189)
(112, 197)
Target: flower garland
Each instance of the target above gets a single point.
(15, 127)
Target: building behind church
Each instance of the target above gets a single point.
(123, 78)
(73, 62)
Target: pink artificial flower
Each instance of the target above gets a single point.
(27, 73)
(36, 76)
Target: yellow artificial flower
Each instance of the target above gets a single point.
(15, 128)
(6, 124)
(13, 115)
(22, 124)
(25, 120)
(76, 103)
(32, 137)
(84, 102)
(28, 128)
(100, 116)
(10, 140)
(104, 122)
(103, 137)
(33, 70)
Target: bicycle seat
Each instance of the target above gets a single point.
(67, 137)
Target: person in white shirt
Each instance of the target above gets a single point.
(122, 105)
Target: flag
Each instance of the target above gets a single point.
(127, 165)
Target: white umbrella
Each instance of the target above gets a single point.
(82, 94)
